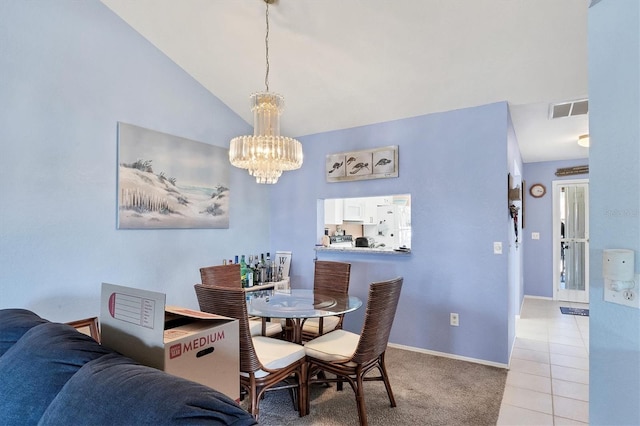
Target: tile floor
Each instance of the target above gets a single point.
(548, 381)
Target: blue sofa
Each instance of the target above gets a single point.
(51, 374)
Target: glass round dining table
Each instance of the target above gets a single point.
(295, 305)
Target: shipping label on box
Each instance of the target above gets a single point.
(132, 321)
(191, 344)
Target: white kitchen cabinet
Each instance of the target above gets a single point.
(333, 212)
(371, 210)
(354, 209)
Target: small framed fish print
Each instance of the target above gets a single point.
(375, 163)
(335, 166)
(359, 163)
(384, 161)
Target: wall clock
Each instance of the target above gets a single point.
(537, 190)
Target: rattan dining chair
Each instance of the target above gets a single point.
(265, 363)
(229, 276)
(328, 277)
(351, 356)
(221, 275)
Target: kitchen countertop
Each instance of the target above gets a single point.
(363, 250)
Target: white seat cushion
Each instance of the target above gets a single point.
(275, 353)
(338, 345)
(272, 328)
(312, 325)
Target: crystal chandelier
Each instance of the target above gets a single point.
(266, 154)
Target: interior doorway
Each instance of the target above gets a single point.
(571, 240)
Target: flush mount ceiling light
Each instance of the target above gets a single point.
(266, 154)
(583, 140)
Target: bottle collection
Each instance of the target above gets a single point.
(257, 270)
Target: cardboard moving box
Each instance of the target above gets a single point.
(191, 344)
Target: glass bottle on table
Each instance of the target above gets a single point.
(243, 272)
(249, 275)
(269, 269)
(256, 270)
(263, 269)
(250, 270)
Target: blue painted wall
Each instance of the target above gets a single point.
(614, 101)
(454, 165)
(70, 70)
(538, 258)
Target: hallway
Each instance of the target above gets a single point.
(548, 380)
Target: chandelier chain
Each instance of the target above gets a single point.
(266, 43)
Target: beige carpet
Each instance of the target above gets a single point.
(429, 390)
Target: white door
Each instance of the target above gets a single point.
(571, 240)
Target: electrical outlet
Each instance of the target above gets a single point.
(625, 293)
(497, 247)
(454, 320)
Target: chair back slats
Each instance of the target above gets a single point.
(328, 277)
(221, 275)
(231, 302)
(332, 276)
(381, 310)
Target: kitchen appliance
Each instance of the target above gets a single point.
(393, 227)
(365, 242)
(341, 240)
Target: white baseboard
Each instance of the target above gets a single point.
(538, 297)
(447, 355)
(464, 358)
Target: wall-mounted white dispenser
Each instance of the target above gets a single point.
(620, 280)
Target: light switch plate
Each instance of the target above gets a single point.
(535, 235)
(497, 247)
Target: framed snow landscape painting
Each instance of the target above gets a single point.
(166, 181)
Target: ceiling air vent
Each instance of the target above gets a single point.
(569, 109)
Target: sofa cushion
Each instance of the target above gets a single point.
(37, 366)
(113, 390)
(13, 324)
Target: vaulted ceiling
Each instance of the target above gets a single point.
(347, 63)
